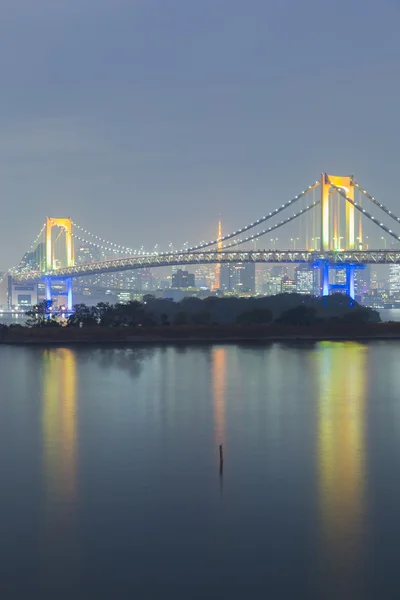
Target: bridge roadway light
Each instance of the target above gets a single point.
(294, 242)
(315, 242)
(337, 239)
(384, 241)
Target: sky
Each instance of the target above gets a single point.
(143, 120)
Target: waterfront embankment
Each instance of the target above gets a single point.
(192, 334)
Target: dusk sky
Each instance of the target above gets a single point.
(144, 119)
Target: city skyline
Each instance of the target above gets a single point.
(57, 247)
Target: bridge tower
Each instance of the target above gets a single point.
(329, 244)
(217, 280)
(66, 225)
(345, 183)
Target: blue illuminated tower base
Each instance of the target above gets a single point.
(67, 293)
(348, 287)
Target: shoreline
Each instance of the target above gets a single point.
(198, 335)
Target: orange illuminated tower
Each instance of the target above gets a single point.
(66, 226)
(217, 279)
(346, 184)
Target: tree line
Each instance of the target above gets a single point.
(290, 309)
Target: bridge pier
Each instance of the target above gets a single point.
(348, 287)
(325, 277)
(68, 292)
(68, 284)
(47, 281)
(350, 269)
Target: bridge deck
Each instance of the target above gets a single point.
(213, 257)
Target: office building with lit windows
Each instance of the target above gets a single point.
(394, 280)
(182, 279)
(238, 277)
(305, 279)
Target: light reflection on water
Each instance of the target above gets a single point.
(109, 469)
(59, 398)
(219, 390)
(59, 423)
(342, 369)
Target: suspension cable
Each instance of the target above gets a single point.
(116, 251)
(256, 223)
(364, 212)
(38, 236)
(112, 245)
(264, 231)
(118, 248)
(32, 247)
(381, 206)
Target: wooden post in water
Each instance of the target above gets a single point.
(221, 454)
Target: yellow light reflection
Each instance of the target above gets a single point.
(219, 358)
(60, 552)
(341, 451)
(59, 422)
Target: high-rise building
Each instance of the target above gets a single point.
(182, 279)
(225, 278)
(205, 276)
(339, 276)
(263, 275)
(374, 279)
(394, 280)
(86, 254)
(274, 286)
(279, 271)
(362, 280)
(238, 277)
(288, 286)
(305, 279)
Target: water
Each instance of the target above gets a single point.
(389, 314)
(110, 479)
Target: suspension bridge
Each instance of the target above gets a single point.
(332, 224)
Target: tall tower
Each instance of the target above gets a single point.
(66, 226)
(345, 183)
(217, 279)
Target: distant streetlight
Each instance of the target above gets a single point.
(384, 241)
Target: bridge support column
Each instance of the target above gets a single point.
(348, 287)
(47, 281)
(68, 285)
(325, 277)
(350, 269)
(346, 184)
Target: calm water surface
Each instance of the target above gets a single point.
(110, 479)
